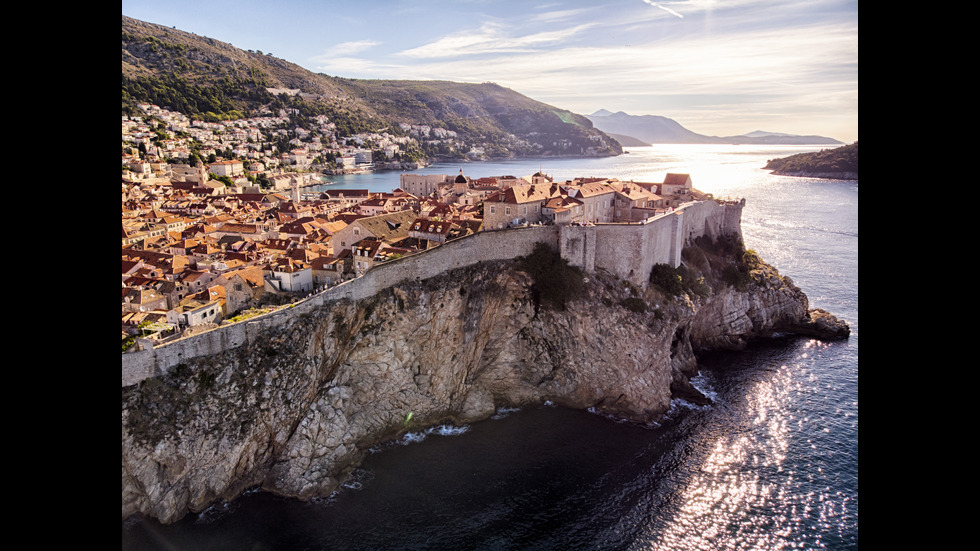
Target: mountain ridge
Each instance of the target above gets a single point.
(206, 78)
(658, 129)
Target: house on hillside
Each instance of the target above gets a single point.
(676, 189)
(370, 252)
(517, 205)
(433, 230)
(562, 209)
(327, 271)
(597, 201)
(423, 185)
(285, 275)
(202, 307)
(389, 227)
(635, 203)
(243, 288)
(227, 168)
(364, 253)
(142, 300)
(372, 207)
(349, 197)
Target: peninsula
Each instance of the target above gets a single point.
(589, 293)
(273, 335)
(839, 163)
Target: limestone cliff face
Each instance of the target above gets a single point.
(294, 411)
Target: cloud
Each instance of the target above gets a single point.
(491, 38)
(551, 16)
(665, 8)
(347, 48)
(341, 58)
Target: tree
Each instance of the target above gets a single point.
(223, 179)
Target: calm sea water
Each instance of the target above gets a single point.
(773, 464)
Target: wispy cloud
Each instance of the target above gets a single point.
(558, 15)
(348, 48)
(343, 58)
(489, 39)
(665, 8)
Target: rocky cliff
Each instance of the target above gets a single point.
(297, 409)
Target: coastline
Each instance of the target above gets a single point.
(821, 175)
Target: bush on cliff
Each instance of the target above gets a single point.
(724, 259)
(677, 281)
(666, 278)
(555, 281)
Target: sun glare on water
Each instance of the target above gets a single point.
(745, 494)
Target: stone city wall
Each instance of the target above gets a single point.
(627, 250)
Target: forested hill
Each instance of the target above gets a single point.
(212, 80)
(839, 162)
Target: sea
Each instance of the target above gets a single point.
(771, 464)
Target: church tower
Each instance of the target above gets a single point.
(461, 184)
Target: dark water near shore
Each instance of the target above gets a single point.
(771, 465)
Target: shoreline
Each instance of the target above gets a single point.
(821, 175)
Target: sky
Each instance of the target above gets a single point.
(716, 67)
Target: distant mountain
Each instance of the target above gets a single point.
(656, 129)
(212, 80)
(628, 141)
(646, 128)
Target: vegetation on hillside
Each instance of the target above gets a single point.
(708, 264)
(226, 99)
(209, 80)
(826, 161)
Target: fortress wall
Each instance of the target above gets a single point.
(577, 245)
(138, 366)
(627, 250)
(497, 245)
(490, 246)
(630, 250)
(712, 219)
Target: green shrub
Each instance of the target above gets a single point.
(128, 342)
(679, 280)
(736, 275)
(666, 278)
(728, 245)
(555, 281)
(694, 256)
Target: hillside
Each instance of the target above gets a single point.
(656, 129)
(839, 162)
(211, 80)
(628, 141)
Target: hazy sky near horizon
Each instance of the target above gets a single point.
(717, 67)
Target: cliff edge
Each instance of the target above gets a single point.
(293, 411)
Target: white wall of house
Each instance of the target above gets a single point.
(209, 313)
(233, 168)
(294, 282)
